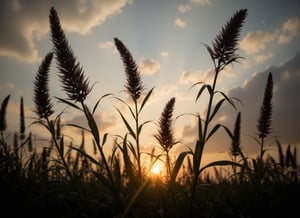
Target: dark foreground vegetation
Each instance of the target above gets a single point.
(62, 180)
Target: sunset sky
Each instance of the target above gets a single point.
(166, 38)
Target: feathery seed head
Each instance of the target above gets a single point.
(235, 145)
(225, 44)
(3, 113)
(134, 84)
(264, 122)
(165, 133)
(43, 105)
(71, 73)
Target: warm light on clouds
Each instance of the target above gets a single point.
(28, 22)
(184, 8)
(149, 66)
(290, 30)
(263, 57)
(179, 23)
(202, 2)
(190, 77)
(164, 54)
(256, 41)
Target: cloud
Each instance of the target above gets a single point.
(196, 76)
(179, 23)
(164, 54)
(184, 8)
(256, 41)
(104, 120)
(289, 30)
(286, 107)
(28, 22)
(107, 45)
(149, 66)
(202, 2)
(263, 57)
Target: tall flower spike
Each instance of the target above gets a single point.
(235, 145)
(3, 113)
(165, 133)
(22, 120)
(43, 106)
(225, 44)
(134, 84)
(71, 73)
(264, 122)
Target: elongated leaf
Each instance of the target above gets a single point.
(104, 138)
(220, 163)
(77, 126)
(228, 131)
(132, 149)
(141, 126)
(177, 167)
(200, 91)
(229, 100)
(217, 107)
(198, 155)
(131, 132)
(216, 127)
(92, 124)
(195, 84)
(128, 106)
(210, 52)
(69, 103)
(200, 130)
(61, 145)
(91, 158)
(97, 103)
(51, 127)
(127, 161)
(145, 99)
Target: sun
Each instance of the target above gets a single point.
(155, 170)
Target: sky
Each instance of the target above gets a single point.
(165, 38)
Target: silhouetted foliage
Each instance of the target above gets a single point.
(3, 124)
(71, 74)
(41, 98)
(264, 122)
(134, 84)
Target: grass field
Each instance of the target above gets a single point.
(61, 180)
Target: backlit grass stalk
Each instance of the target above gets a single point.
(165, 135)
(264, 121)
(222, 54)
(77, 87)
(134, 88)
(3, 124)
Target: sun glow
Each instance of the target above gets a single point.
(156, 170)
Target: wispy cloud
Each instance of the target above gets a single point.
(179, 23)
